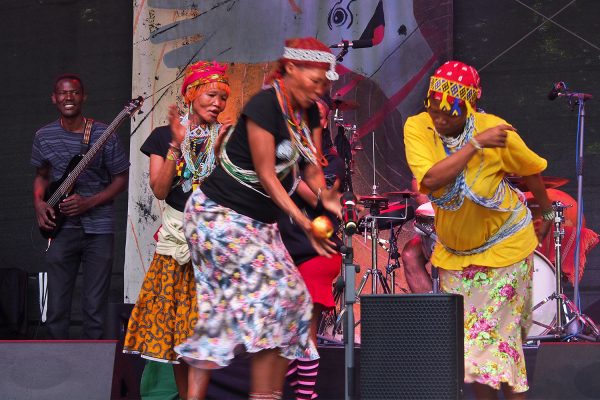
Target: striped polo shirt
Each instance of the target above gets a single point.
(56, 147)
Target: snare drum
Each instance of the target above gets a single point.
(544, 284)
(424, 225)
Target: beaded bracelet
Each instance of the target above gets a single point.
(174, 146)
(475, 143)
(548, 215)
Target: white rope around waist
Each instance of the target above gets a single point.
(171, 240)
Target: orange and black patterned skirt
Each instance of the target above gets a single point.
(166, 311)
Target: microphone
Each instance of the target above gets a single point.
(559, 89)
(355, 44)
(349, 214)
(556, 90)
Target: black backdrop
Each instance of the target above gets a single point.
(41, 39)
(516, 82)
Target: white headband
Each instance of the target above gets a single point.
(313, 55)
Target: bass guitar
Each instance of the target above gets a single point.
(59, 190)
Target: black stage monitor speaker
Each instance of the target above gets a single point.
(411, 347)
(566, 371)
(56, 369)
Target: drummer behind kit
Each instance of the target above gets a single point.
(382, 216)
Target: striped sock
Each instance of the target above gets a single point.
(307, 378)
(292, 374)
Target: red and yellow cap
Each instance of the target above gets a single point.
(453, 84)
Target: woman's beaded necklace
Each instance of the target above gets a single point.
(299, 130)
(456, 192)
(249, 178)
(302, 145)
(197, 150)
(454, 196)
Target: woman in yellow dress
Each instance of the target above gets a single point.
(486, 236)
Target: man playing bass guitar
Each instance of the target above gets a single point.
(84, 233)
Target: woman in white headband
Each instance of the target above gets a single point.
(252, 294)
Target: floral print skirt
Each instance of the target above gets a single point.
(250, 294)
(497, 316)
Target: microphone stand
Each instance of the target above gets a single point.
(350, 298)
(579, 99)
(579, 320)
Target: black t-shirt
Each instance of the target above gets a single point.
(295, 240)
(265, 111)
(158, 143)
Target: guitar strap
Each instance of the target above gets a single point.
(87, 133)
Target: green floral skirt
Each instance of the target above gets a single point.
(497, 317)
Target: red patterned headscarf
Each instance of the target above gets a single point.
(455, 83)
(201, 77)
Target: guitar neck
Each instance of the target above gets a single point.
(87, 159)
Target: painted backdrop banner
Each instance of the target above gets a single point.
(387, 81)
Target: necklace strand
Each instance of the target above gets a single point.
(456, 193)
(197, 150)
(299, 131)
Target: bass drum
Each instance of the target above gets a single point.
(544, 285)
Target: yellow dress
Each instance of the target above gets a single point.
(495, 283)
(471, 225)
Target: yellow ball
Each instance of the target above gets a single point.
(322, 227)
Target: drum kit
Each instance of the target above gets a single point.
(553, 313)
(384, 213)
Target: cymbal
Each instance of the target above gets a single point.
(374, 198)
(550, 182)
(344, 105)
(374, 201)
(401, 193)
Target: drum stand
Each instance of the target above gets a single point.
(570, 322)
(373, 272)
(394, 259)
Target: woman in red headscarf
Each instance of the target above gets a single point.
(486, 237)
(250, 293)
(181, 156)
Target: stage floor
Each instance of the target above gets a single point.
(232, 382)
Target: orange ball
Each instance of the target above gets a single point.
(322, 227)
